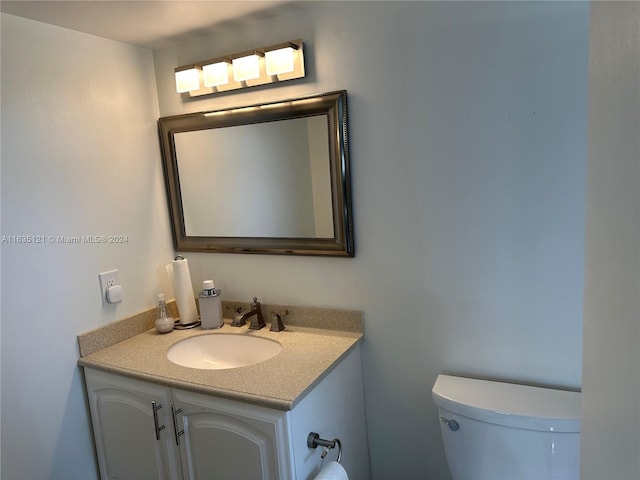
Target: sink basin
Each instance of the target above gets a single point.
(221, 351)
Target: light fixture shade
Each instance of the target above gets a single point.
(216, 74)
(246, 68)
(187, 80)
(279, 61)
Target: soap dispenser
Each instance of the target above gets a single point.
(210, 306)
(164, 323)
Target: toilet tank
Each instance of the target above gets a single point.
(503, 431)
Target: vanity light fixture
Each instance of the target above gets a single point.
(260, 66)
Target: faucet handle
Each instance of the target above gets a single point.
(237, 320)
(276, 321)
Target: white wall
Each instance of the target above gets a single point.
(611, 378)
(468, 143)
(80, 156)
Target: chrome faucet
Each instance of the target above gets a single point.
(254, 312)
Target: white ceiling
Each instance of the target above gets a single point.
(148, 23)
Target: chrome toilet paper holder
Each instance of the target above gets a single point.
(314, 440)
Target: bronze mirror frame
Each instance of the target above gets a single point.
(334, 106)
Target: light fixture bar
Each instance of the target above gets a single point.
(260, 66)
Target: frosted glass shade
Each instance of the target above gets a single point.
(216, 74)
(187, 80)
(279, 61)
(246, 68)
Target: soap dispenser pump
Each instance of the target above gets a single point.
(164, 323)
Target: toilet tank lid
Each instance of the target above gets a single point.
(521, 406)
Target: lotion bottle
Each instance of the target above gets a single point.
(210, 306)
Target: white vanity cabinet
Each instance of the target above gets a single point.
(206, 437)
(124, 427)
(198, 436)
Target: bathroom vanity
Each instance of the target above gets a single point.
(155, 419)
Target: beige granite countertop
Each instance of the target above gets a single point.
(307, 356)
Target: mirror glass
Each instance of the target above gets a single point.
(286, 193)
(271, 178)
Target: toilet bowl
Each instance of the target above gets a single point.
(503, 431)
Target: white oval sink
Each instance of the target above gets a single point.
(221, 351)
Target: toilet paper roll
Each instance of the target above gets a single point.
(332, 471)
(178, 271)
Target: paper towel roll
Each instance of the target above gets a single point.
(332, 471)
(185, 300)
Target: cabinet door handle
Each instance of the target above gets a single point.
(159, 428)
(174, 414)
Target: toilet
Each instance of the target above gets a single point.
(503, 431)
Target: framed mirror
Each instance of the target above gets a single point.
(271, 178)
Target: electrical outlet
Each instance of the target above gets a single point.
(108, 279)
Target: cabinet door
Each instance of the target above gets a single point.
(124, 428)
(227, 440)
